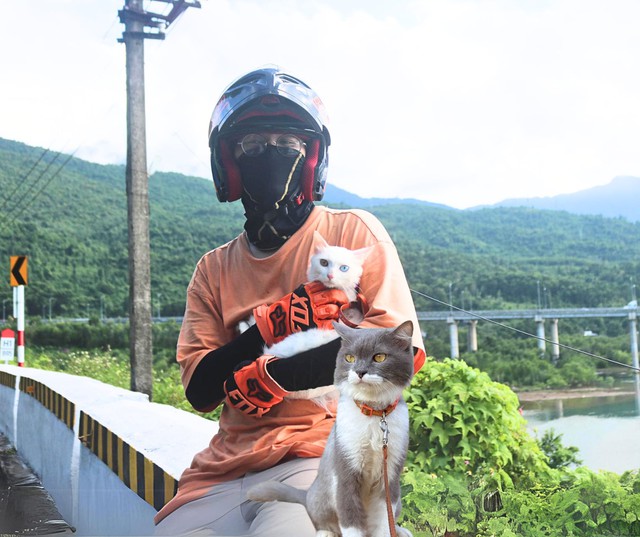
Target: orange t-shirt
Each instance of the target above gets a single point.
(227, 284)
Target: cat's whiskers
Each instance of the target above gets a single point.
(367, 378)
(381, 391)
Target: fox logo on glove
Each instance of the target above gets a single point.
(278, 320)
(299, 313)
(256, 391)
(311, 305)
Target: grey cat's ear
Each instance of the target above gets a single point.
(319, 241)
(403, 334)
(343, 331)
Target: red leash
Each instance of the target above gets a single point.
(369, 411)
(385, 441)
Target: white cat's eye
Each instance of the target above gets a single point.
(380, 357)
(324, 263)
(344, 268)
(350, 358)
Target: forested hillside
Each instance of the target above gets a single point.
(72, 223)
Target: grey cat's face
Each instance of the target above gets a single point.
(373, 362)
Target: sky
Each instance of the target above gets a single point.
(458, 102)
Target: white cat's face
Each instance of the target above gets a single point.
(336, 267)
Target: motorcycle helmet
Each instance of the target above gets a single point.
(268, 99)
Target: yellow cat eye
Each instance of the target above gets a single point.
(350, 358)
(380, 357)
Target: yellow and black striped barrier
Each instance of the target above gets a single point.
(141, 475)
(7, 379)
(61, 407)
(138, 473)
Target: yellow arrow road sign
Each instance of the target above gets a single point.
(18, 274)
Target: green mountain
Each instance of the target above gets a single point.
(69, 217)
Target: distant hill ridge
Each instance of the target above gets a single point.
(334, 194)
(71, 221)
(620, 197)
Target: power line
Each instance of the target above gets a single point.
(28, 190)
(524, 333)
(23, 179)
(57, 172)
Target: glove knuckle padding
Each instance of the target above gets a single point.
(298, 311)
(251, 389)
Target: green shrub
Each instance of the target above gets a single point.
(437, 505)
(581, 504)
(468, 444)
(96, 334)
(578, 372)
(559, 456)
(100, 365)
(463, 422)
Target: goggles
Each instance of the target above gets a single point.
(288, 145)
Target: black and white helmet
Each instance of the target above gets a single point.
(268, 99)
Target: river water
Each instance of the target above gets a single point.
(605, 429)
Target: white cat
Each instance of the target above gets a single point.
(335, 267)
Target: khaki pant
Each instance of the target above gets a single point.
(225, 511)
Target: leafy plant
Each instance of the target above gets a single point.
(583, 503)
(437, 505)
(534, 500)
(463, 422)
(559, 456)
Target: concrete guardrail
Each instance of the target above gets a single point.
(109, 458)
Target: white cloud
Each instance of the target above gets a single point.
(460, 102)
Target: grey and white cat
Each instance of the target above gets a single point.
(347, 498)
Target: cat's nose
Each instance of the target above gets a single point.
(330, 276)
(361, 373)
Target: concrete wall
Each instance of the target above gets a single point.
(108, 457)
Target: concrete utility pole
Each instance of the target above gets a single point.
(140, 25)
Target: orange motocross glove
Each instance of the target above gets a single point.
(252, 390)
(311, 305)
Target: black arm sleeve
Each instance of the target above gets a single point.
(205, 389)
(308, 369)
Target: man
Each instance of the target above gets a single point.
(269, 148)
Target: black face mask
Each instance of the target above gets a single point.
(272, 197)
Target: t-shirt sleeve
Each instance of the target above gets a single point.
(202, 328)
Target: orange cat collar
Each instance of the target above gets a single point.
(370, 411)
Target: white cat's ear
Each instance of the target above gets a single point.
(361, 254)
(319, 241)
(403, 334)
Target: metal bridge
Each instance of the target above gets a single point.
(457, 314)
